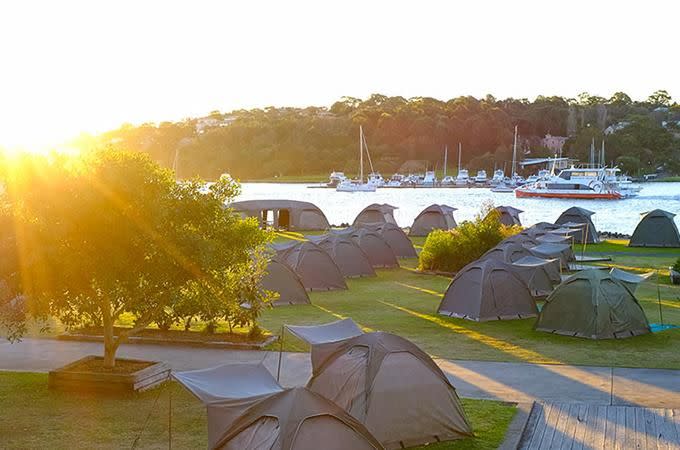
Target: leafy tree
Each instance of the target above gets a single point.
(660, 98)
(88, 239)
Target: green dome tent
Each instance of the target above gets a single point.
(594, 305)
(575, 216)
(656, 229)
(281, 279)
(347, 255)
(434, 217)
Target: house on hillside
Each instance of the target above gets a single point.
(205, 123)
(554, 143)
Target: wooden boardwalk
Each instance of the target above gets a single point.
(582, 426)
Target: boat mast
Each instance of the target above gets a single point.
(592, 153)
(459, 150)
(514, 154)
(361, 154)
(446, 155)
(602, 160)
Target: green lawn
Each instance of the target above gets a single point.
(33, 417)
(318, 178)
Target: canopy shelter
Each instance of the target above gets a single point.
(327, 332)
(312, 264)
(376, 213)
(563, 252)
(507, 252)
(290, 215)
(522, 239)
(544, 226)
(235, 387)
(347, 255)
(550, 238)
(575, 216)
(508, 215)
(434, 217)
(395, 237)
(551, 266)
(656, 229)
(294, 419)
(628, 279)
(594, 305)
(536, 273)
(392, 387)
(488, 290)
(281, 279)
(379, 253)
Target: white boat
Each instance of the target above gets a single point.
(376, 179)
(542, 174)
(396, 180)
(497, 178)
(430, 178)
(503, 188)
(448, 181)
(576, 183)
(335, 178)
(463, 177)
(348, 185)
(481, 177)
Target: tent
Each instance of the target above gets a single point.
(551, 238)
(347, 255)
(576, 216)
(592, 304)
(508, 215)
(628, 279)
(376, 248)
(551, 266)
(434, 217)
(395, 237)
(537, 273)
(656, 229)
(281, 279)
(327, 332)
(376, 213)
(507, 252)
(392, 387)
(487, 290)
(235, 387)
(312, 264)
(285, 214)
(294, 419)
(521, 239)
(563, 252)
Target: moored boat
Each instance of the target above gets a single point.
(577, 183)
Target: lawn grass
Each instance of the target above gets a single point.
(34, 417)
(314, 178)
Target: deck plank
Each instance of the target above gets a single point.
(561, 431)
(540, 425)
(600, 427)
(551, 422)
(629, 442)
(610, 418)
(571, 425)
(582, 427)
(650, 429)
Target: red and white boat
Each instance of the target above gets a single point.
(599, 183)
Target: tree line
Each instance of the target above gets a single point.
(640, 136)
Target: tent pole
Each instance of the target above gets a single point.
(278, 370)
(658, 296)
(170, 418)
(585, 240)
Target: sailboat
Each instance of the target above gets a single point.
(462, 179)
(512, 184)
(348, 185)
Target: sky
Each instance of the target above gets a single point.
(68, 67)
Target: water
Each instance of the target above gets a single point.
(619, 216)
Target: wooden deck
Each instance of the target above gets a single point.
(581, 426)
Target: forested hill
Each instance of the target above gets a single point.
(640, 136)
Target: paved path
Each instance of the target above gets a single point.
(512, 382)
(581, 426)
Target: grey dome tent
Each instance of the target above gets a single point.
(551, 238)
(487, 290)
(392, 387)
(563, 252)
(551, 266)
(326, 332)
(235, 387)
(656, 229)
(376, 213)
(379, 253)
(294, 419)
(507, 214)
(594, 305)
(579, 216)
(395, 237)
(286, 214)
(312, 264)
(521, 239)
(628, 279)
(281, 279)
(434, 217)
(536, 273)
(347, 255)
(507, 252)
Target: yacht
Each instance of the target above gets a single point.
(448, 181)
(498, 177)
(481, 177)
(348, 185)
(462, 179)
(335, 178)
(430, 179)
(396, 180)
(376, 179)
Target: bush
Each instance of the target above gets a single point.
(450, 251)
(676, 266)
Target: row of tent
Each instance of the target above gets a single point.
(656, 228)
(323, 262)
(507, 280)
(367, 391)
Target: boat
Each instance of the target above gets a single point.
(497, 178)
(429, 179)
(335, 178)
(463, 177)
(348, 185)
(503, 188)
(575, 183)
(376, 179)
(448, 181)
(396, 180)
(481, 177)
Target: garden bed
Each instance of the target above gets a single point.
(238, 341)
(89, 375)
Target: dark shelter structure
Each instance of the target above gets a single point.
(290, 215)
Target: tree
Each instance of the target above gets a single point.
(659, 98)
(88, 239)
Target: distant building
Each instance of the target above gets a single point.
(611, 129)
(204, 123)
(554, 143)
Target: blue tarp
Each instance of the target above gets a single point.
(657, 327)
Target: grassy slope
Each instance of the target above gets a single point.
(33, 417)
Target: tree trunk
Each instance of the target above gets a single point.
(110, 343)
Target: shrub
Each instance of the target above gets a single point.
(676, 266)
(449, 251)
